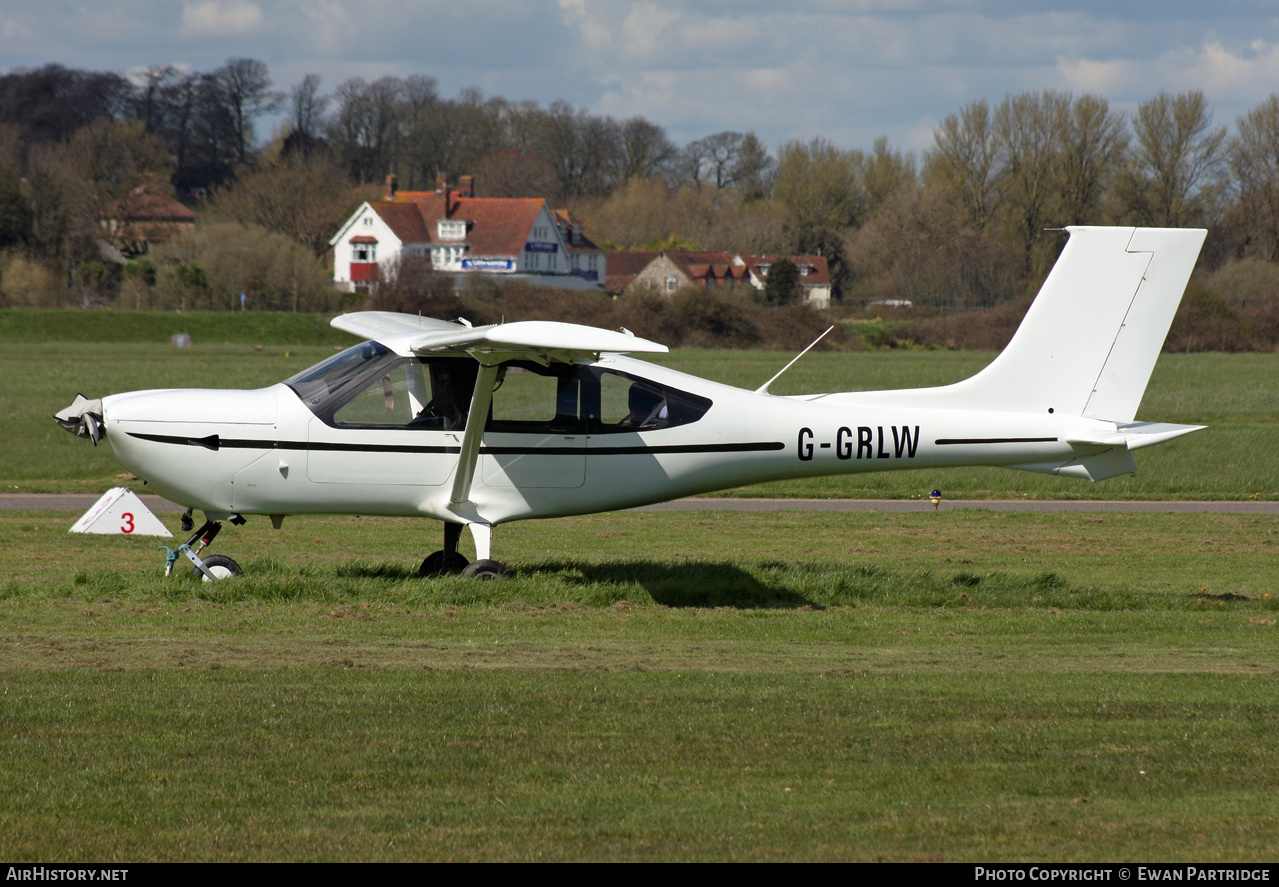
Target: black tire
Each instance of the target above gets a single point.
(487, 569)
(438, 564)
(221, 566)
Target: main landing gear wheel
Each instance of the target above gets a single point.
(487, 569)
(441, 562)
(219, 565)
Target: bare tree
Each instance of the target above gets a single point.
(1027, 130)
(756, 168)
(967, 156)
(884, 171)
(307, 108)
(306, 199)
(244, 86)
(1093, 140)
(367, 127)
(1179, 157)
(1254, 160)
(644, 150)
(820, 185)
(150, 101)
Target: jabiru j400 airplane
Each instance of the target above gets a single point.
(477, 426)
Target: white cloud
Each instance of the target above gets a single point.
(1243, 75)
(220, 18)
(12, 29)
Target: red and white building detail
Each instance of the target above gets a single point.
(460, 233)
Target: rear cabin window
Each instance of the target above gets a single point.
(584, 399)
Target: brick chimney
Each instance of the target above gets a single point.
(466, 186)
(392, 185)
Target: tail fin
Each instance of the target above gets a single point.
(1089, 342)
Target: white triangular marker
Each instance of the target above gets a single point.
(120, 511)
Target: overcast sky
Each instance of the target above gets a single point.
(848, 70)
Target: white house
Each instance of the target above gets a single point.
(460, 233)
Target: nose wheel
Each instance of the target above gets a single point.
(211, 568)
(218, 566)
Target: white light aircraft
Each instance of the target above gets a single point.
(477, 426)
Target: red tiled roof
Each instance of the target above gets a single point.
(405, 220)
(500, 225)
(145, 204)
(818, 276)
(364, 238)
(630, 262)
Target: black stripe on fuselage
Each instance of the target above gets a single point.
(952, 441)
(213, 442)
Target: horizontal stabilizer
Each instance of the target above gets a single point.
(1147, 434)
(1111, 452)
(1133, 435)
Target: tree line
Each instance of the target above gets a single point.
(967, 224)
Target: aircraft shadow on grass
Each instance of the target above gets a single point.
(684, 584)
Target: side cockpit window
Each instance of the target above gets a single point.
(369, 387)
(532, 398)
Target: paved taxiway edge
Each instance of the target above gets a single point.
(78, 502)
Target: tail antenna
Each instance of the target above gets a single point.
(763, 389)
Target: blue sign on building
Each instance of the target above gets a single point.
(535, 247)
(488, 265)
(588, 275)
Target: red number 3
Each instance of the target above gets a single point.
(128, 523)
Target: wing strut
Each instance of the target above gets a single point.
(481, 400)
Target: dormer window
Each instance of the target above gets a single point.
(451, 229)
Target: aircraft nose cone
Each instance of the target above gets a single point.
(83, 418)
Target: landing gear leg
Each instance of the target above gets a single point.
(447, 560)
(210, 568)
(484, 567)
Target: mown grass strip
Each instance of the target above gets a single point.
(334, 764)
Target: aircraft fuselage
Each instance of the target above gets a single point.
(266, 452)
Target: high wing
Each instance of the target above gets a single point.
(538, 340)
(381, 324)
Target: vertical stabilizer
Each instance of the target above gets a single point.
(1123, 377)
(1089, 342)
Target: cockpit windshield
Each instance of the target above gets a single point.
(318, 383)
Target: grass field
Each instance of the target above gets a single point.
(958, 685)
(650, 686)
